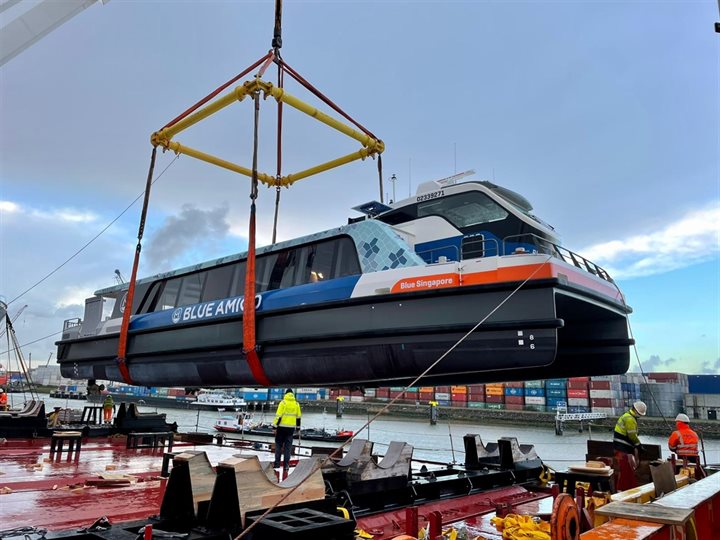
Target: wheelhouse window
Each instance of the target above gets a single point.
(464, 209)
(217, 283)
(168, 298)
(191, 288)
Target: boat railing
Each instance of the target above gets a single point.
(429, 254)
(72, 323)
(474, 247)
(543, 245)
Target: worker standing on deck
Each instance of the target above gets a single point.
(108, 406)
(627, 446)
(287, 420)
(3, 400)
(684, 441)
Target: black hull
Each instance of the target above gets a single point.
(544, 331)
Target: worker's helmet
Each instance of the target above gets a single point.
(1, 390)
(288, 391)
(682, 417)
(640, 408)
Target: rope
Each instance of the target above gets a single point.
(278, 173)
(127, 311)
(319, 465)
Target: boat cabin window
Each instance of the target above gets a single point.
(217, 283)
(324, 260)
(168, 299)
(190, 288)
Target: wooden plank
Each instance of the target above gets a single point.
(693, 495)
(663, 476)
(625, 529)
(645, 512)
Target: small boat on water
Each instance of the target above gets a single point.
(372, 303)
(242, 424)
(219, 400)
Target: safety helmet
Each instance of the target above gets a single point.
(640, 408)
(682, 417)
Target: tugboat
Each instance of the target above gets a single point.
(374, 302)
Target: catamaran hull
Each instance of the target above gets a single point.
(543, 331)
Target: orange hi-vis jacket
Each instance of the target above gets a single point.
(684, 441)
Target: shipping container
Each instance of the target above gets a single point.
(556, 383)
(496, 406)
(515, 384)
(458, 404)
(599, 385)
(573, 393)
(704, 384)
(494, 391)
(535, 400)
(515, 406)
(495, 399)
(476, 404)
(555, 392)
(458, 397)
(579, 379)
(458, 389)
(444, 396)
(534, 391)
(442, 389)
(577, 385)
(534, 384)
(576, 409)
(514, 391)
(553, 402)
(516, 400)
(443, 402)
(578, 402)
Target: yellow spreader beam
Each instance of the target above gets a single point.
(163, 138)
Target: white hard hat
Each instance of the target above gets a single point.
(640, 407)
(682, 417)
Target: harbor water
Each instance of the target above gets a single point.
(442, 442)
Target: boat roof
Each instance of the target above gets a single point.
(364, 231)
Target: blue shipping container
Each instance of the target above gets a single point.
(511, 391)
(556, 392)
(556, 383)
(255, 396)
(704, 384)
(552, 402)
(534, 391)
(578, 409)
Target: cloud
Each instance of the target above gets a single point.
(9, 206)
(693, 239)
(192, 232)
(709, 366)
(69, 215)
(655, 363)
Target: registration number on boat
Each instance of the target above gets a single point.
(429, 196)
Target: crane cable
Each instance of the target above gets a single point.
(277, 44)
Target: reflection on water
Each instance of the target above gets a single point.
(442, 442)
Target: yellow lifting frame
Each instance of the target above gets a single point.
(163, 138)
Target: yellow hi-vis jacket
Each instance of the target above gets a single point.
(626, 433)
(288, 412)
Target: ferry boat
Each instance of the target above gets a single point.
(374, 303)
(218, 400)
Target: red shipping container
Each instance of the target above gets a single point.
(426, 396)
(394, 394)
(516, 400)
(442, 389)
(577, 385)
(382, 392)
(514, 406)
(573, 393)
(476, 397)
(664, 376)
(599, 385)
(586, 379)
(515, 384)
(458, 403)
(495, 399)
(601, 402)
(459, 397)
(476, 387)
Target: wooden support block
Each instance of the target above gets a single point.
(191, 483)
(651, 512)
(243, 486)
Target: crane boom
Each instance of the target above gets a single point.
(33, 25)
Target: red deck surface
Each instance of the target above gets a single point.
(52, 495)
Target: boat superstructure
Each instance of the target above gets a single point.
(373, 302)
(219, 400)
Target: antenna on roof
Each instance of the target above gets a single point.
(451, 180)
(119, 277)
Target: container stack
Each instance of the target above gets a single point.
(578, 395)
(606, 395)
(515, 396)
(535, 396)
(256, 394)
(664, 393)
(443, 395)
(426, 394)
(476, 396)
(555, 393)
(495, 396)
(703, 397)
(458, 396)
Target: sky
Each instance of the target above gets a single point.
(603, 114)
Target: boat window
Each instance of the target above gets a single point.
(238, 281)
(320, 261)
(217, 283)
(263, 270)
(168, 298)
(347, 263)
(148, 303)
(191, 287)
(464, 209)
(139, 296)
